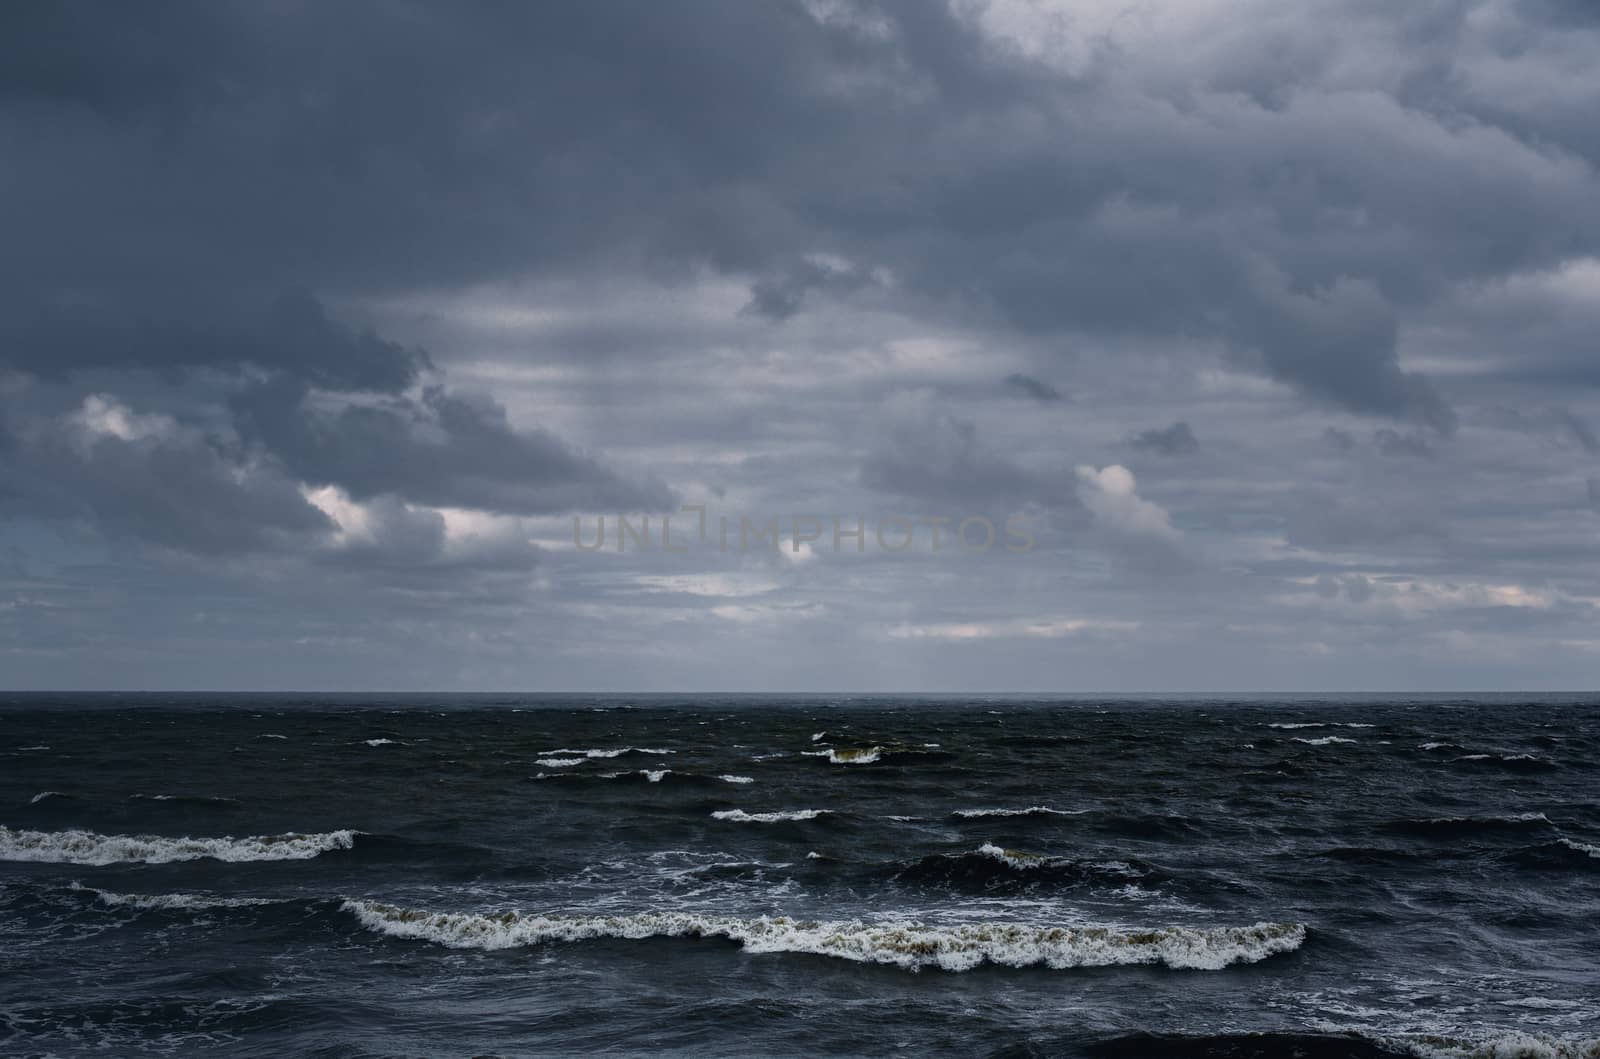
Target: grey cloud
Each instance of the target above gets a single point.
(1176, 440)
(174, 489)
(1031, 387)
(927, 454)
(1580, 431)
(443, 449)
(1394, 444)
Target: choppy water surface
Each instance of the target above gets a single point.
(270, 875)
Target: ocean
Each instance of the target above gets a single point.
(742, 875)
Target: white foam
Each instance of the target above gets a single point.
(564, 752)
(743, 817)
(1012, 857)
(42, 795)
(1506, 1046)
(172, 901)
(379, 742)
(271, 735)
(1327, 740)
(849, 755)
(1032, 810)
(87, 847)
(1581, 847)
(655, 775)
(558, 762)
(1437, 746)
(736, 779)
(911, 946)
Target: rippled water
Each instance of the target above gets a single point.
(729, 875)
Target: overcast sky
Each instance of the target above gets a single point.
(1264, 335)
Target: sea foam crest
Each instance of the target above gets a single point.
(602, 752)
(849, 755)
(1032, 810)
(1014, 858)
(911, 946)
(1581, 847)
(1327, 740)
(743, 817)
(192, 902)
(87, 847)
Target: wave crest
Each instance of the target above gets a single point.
(87, 847)
(913, 947)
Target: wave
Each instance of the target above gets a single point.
(910, 946)
(1326, 740)
(740, 816)
(87, 847)
(1304, 1045)
(186, 902)
(558, 762)
(992, 867)
(1292, 725)
(736, 779)
(1581, 847)
(382, 742)
(45, 795)
(849, 755)
(1458, 825)
(186, 799)
(1032, 810)
(1509, 762)
(1512, 1045)
(618, 752)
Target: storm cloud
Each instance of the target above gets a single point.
(371, 300)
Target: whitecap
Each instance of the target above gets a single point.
(172, 901)
(849, 755)
(558, 762)
(740, 816)
(910, 946)
(1327, 740)
(1581, 847)
(87, 847)
(1032, 810)
(736, 779)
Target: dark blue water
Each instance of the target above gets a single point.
(717, 875)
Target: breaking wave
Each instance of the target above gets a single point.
(740, 816)
(187, 902)
(1032, 810)
(87, 847)
(910, 946)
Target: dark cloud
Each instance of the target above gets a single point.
(1031, 387)
(443, 448)
(340, 308)
(1395, 444)
(154, 481)
(1176, 440)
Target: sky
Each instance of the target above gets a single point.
(1221, 345)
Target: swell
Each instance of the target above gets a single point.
(992, 867)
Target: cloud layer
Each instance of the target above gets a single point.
(321, 322)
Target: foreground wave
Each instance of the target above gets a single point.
(87, 847)
(954, 947)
